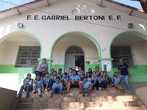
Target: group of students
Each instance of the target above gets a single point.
(58, 82)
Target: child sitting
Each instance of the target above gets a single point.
(81, 84)
(51, 81)
(104, 81)
(87, 86)
(97, 81)
(75, 78)
(66, 82)
(115, 80)
(57, 87)
(27, 85)
(38, 86)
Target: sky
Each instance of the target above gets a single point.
(131, 3)
(12, 3)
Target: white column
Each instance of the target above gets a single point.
(50, 61)
(106, 65)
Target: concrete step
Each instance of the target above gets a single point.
(119, 103)
(42, 109)
(110, 99)
(54, 102)
(81, 107)
(30, 99)
(25, 106)
(107, 108)
(36, 105)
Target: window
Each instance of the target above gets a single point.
(123, 52)
(28, 56)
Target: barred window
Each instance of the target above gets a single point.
(123, 52)
(27, 56)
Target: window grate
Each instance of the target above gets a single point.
(123, 52)
(28, 56)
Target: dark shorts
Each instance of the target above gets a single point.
(75, 84)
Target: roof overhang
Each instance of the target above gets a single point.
(37, 4)
(125, 9)
(31, 6)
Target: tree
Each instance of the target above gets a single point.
(143, 4)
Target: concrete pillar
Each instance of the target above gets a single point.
(50, 61)
(106, 65)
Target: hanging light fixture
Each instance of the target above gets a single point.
(84, 6)
(142, 27)
(76, 11)
(82, 9)
(92, 11)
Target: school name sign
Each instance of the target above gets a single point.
(76, 17)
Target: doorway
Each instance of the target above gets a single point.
(74, 56)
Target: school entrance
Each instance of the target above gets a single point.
(75, 49)
(74, 57)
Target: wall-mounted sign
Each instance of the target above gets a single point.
(76, 17)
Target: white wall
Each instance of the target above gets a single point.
(139, 52)
(8, 53)
(90, 50)
(47, 32)
(9, 50)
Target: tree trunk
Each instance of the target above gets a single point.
(144, 5)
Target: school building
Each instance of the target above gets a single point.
(68, 33)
